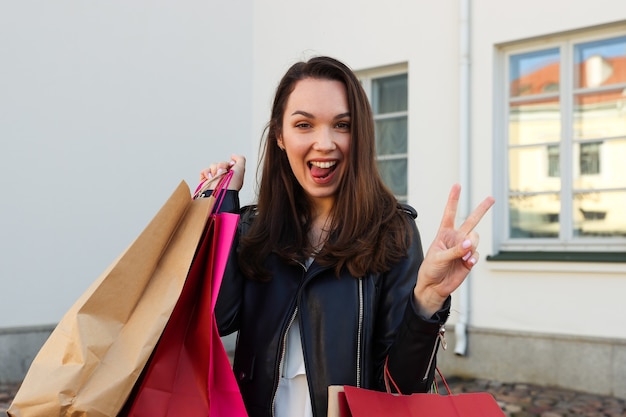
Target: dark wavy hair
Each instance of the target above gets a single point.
(368, 232)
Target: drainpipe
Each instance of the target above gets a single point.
(460, 328)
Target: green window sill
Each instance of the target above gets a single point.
(614, 257)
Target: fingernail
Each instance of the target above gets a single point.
(472, 261)
(220, 171)
(467, 243)
(466, 256)
(231, 163)
(210, 176)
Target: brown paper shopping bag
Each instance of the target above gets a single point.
(189, 373)
(92, 359)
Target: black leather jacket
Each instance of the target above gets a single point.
(348, 326)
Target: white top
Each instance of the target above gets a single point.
(292, 396)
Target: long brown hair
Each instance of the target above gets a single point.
(368, 232)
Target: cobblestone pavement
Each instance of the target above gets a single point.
(516, 400)
(527, 400)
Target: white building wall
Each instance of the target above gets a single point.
(104, 108)
(546, 297)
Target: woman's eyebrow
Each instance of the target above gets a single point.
(310, 116)
(303, 113)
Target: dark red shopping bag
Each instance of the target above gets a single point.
(347, 401)
(360, 402)
(189, 373)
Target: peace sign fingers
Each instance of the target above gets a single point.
(449, 214)
(476, 216)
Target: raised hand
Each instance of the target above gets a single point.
(237, 164)
(450, 257)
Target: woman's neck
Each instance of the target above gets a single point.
(321, 219)
(319, 231)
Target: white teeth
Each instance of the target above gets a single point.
(324, 164)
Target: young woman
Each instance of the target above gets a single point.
(327, 283)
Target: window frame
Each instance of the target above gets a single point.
(366, 77)
(556, 248)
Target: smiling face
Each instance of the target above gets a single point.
(315, 134)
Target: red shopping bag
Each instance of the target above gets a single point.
(189, 373)
(347, 401)
(360, 402)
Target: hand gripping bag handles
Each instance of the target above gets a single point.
(348, 401)
(189, 373)
(92, 359)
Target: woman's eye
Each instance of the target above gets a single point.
(343, 125)
(303, 125)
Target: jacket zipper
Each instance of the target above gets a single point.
(292, 319)
(359, 336)
(441, 338)
(283, 351)
(281, 361)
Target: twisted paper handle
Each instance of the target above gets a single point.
(219, 191)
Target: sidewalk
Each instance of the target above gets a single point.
(526, 400)
(516, 400)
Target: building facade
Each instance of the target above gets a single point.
(109, 106)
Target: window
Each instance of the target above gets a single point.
(590, 158)
(565, 144)
(388, 94)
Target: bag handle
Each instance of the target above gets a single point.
(219, 191)
(388, 378)
(445, 383)
(204, 184)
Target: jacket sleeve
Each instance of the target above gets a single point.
(411, 357)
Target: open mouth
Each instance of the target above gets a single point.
(322, 169)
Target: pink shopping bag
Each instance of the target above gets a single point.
(189, 373)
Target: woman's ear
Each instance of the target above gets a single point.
(279, 142)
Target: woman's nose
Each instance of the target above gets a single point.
(325, 140)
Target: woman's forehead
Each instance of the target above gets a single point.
(313, 95)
